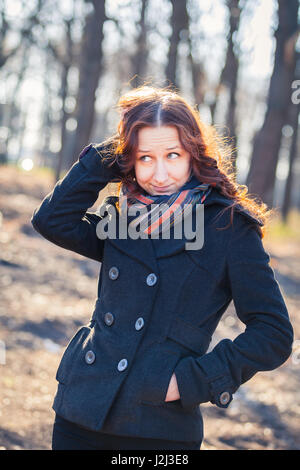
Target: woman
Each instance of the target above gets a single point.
(134, 377)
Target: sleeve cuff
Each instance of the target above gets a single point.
(197, 384)
(97, 164)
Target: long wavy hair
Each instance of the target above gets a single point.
(210, 152)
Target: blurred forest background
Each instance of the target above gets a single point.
(63, 66)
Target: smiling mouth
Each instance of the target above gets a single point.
(161, 188)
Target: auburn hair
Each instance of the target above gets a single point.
(211, 153)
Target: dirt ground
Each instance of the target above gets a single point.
(47, 292)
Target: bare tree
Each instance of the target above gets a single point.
(90, 66)
(5, 53)
(180, 25)
(199, 76)
(25, 32)
(139, 60)
(65, 56)
(25, 38)
(229, 73)
(262, 172)
(12, 124)
(294, 122)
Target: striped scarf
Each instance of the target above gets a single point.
(167, 210)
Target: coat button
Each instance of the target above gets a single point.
(151, 279)
(90, 357)
(109, 318)
(122, 364)
(113, 273)
(224, 398)
(139, 323)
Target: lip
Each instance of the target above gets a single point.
(161, 188)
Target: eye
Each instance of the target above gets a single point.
(144, 156)
(174, 153)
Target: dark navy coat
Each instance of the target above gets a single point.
(156, 311)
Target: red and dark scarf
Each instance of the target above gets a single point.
(166, 209)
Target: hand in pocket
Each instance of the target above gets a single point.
(173, 392)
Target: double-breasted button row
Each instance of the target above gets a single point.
(109, 320)
(113, 274)
(90, 359)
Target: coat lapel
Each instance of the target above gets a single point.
(142, 249)
(139, 249)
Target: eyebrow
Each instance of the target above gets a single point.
(169, 148)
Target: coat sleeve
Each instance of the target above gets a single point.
(62, 217)
(266, 342)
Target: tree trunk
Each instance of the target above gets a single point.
(199, 77)
(13, 112)
(293, 155)
(294, 122)
(89, 73)
(262, 172)
(139, 60)
(66, 64)
(229, 74)
(179, 23)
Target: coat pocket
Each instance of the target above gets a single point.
(70, 354)
(187, 338)
(157, 368)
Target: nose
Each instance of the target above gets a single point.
(160, 176)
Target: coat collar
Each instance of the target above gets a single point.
(143, 249)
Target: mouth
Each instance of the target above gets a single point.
(161, 189)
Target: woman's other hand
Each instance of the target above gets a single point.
(173, 392)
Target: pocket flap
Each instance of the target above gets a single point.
(73, 348)
(192, 337)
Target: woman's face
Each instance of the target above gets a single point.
(162, 165)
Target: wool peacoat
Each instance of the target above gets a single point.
(156, 310)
